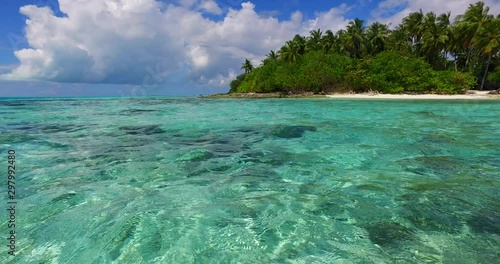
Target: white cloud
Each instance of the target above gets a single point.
(393, 11)
(332, 19)
(210, 6)
(148, 41)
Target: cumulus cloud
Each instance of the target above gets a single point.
(393, 11)
(211, 7)
(149, 41)
(333, 19)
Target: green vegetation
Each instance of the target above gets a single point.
(426, 53)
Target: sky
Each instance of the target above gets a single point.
(167, 47)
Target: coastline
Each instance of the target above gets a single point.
(470, 95)
(264, 95)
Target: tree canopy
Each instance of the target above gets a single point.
(247, 66)
(426, 53)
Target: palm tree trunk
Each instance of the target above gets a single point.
(445, 55)
(467, 59)
(485, 72)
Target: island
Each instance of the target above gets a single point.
(426, 54)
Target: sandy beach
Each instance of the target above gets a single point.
(479, 95)
(470, 95)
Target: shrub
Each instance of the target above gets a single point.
(494, 77)
(236, 82)
(390, 72)
(450, 82)
(319, 71)
(387, 72)
(315, 71)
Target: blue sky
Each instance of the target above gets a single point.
(176, 47)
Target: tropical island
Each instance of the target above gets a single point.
(425, 54)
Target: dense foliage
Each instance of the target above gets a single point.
(426, 53)
(389, 72)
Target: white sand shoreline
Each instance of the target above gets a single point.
(475, 95)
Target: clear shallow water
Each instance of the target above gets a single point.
(254, 181)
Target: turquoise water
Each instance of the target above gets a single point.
(188, 180)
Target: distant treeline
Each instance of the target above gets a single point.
(426, 53)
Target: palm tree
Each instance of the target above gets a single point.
(247, 66)
(398, 41)
(271, 56)
(354, 37)
(290, 52)
(377, 34)
(469, 24)
(328, 41)
(341, 40)
(487, 40)
(455, 45)
(444, 20)
(434, 37)
(314, 40)
(444, 27)
(300, 42)
(413, 25)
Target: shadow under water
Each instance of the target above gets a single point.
(165, 180)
